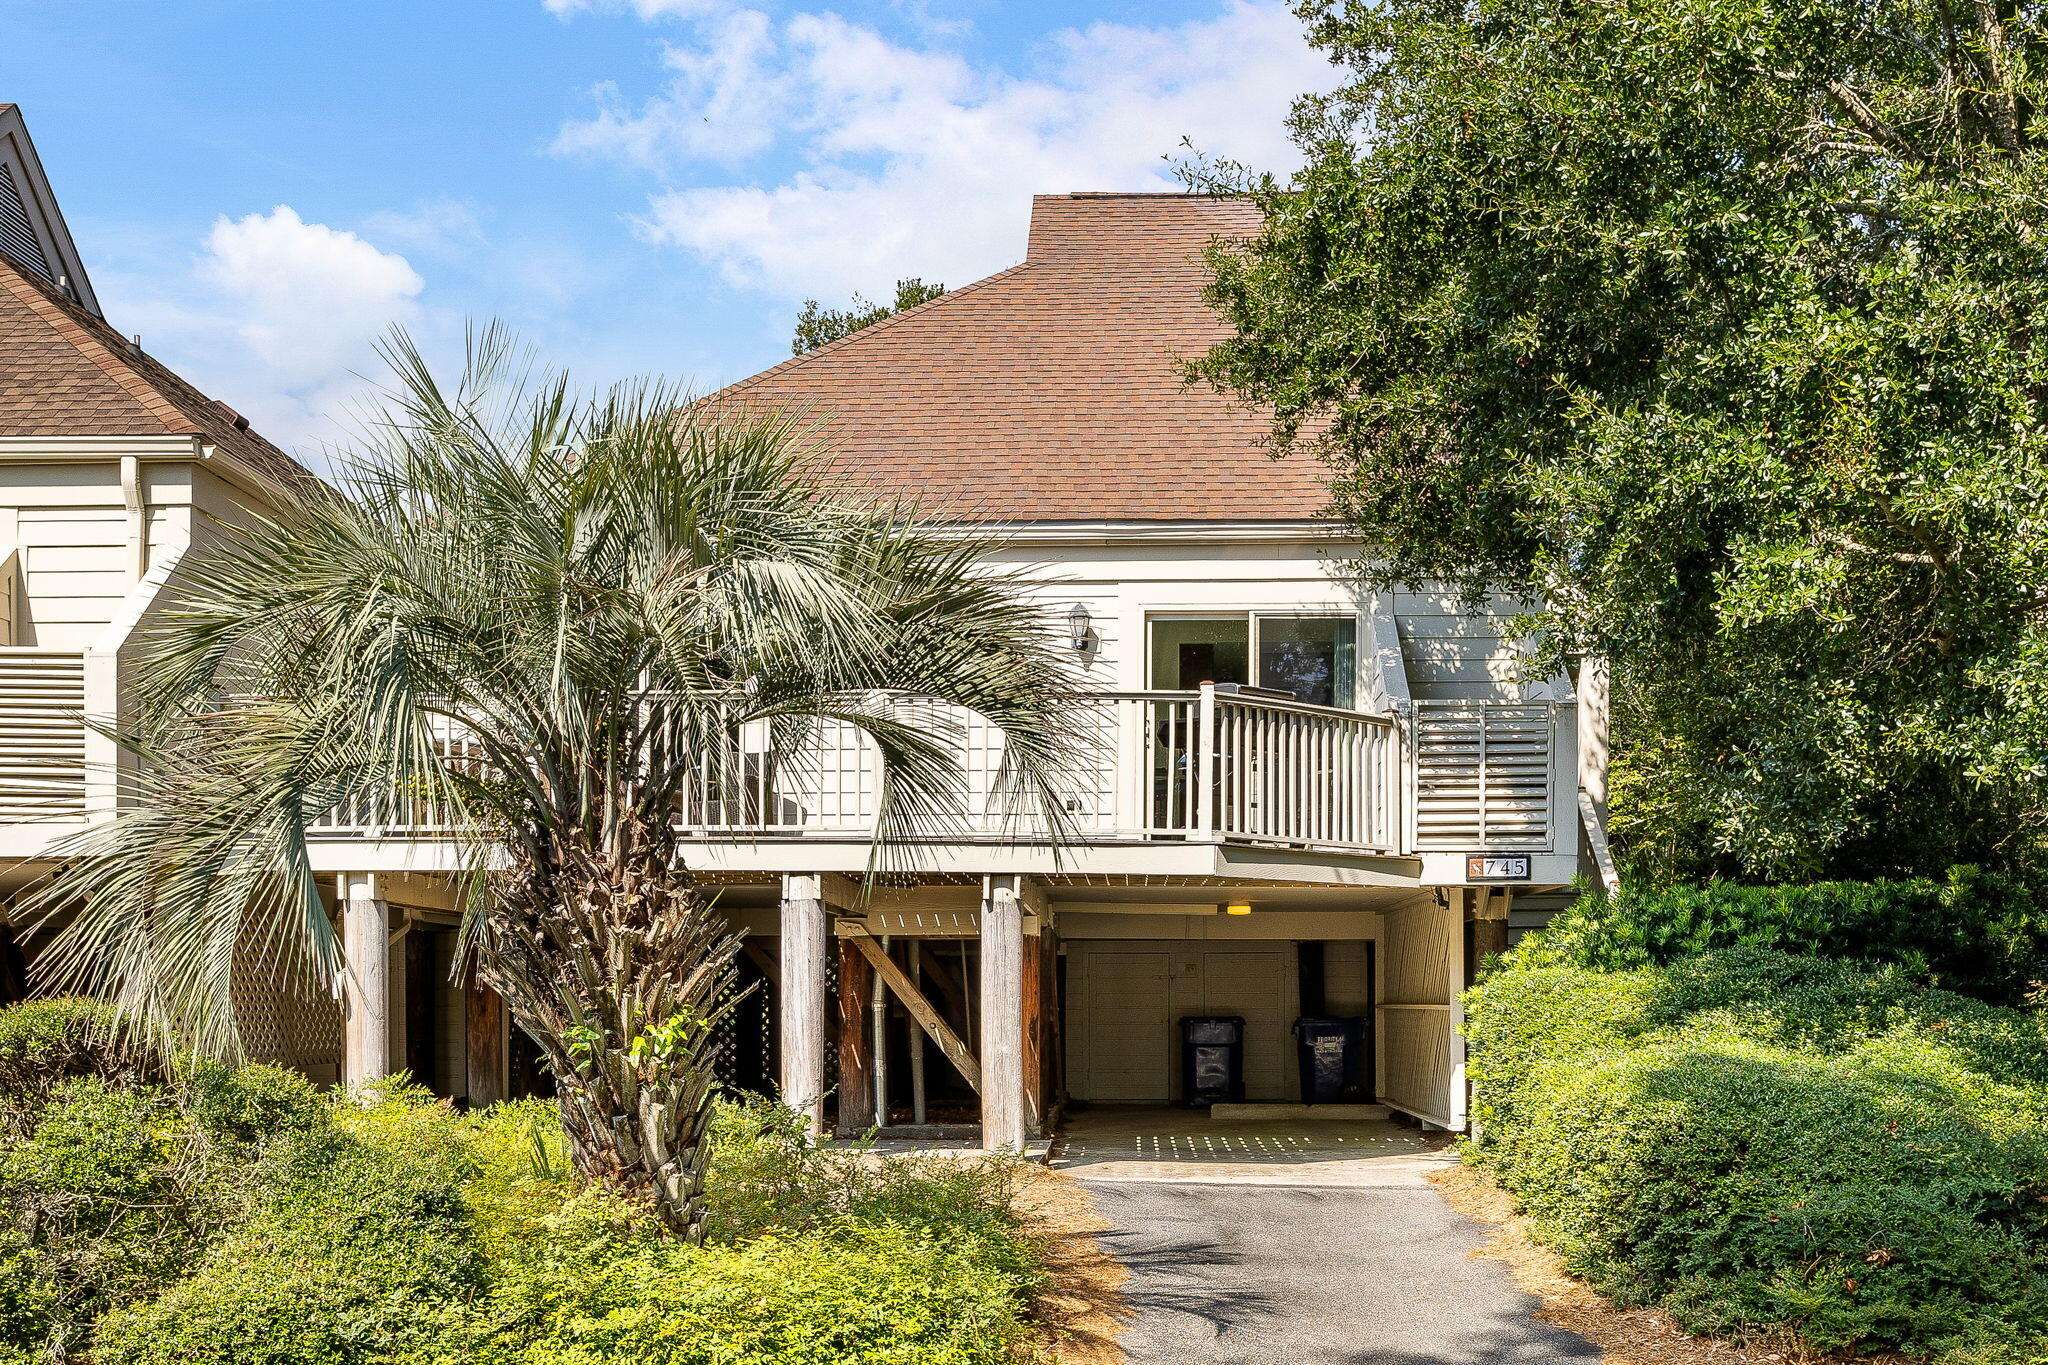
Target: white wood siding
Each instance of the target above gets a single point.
(1119, 1021)
(1123, 584)
(73, 573)
(1454, 654)
(1421, 972)
(75, 533)
(1449, 651)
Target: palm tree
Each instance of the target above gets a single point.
(591, 595)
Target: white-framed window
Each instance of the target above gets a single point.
(1311, 656)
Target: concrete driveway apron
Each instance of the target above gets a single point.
(1297, 1244)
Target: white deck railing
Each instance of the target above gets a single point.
(1266, 770)
(42, 734)
(1208, 765)
(1198, 765)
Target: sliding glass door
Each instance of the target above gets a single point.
(1310, 659)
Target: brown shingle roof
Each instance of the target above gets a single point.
(1051, 391)
(64, 372)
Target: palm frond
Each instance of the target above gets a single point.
(535, 615)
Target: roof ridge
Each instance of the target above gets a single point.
(1193, 196)
(32, 295)
(873, 328)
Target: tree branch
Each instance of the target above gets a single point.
(2003, 106)
(1865, 118)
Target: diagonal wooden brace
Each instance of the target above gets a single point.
(916, 1005)
(951, 997)
(770, 969)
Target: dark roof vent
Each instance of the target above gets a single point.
(18, 235)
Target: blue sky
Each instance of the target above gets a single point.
(636, 185)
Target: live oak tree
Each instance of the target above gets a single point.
(1717, 326)
(543, 621)
(816, 325)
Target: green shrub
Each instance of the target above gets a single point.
(1975, 932)
(516, 1171)
(31, 1300)
(237, 1217)
(352, 1253)
(251, 1104)
(596, 1290)
(105, 1204)
(1754, 1139)
(46, 1042)
(766, 1177)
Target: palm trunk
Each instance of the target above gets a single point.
(619, 969)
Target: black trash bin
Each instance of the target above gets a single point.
(1332, 1056)
(1211, 1059)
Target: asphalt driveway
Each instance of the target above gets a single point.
(1337, 1260)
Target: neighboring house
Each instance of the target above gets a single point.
(1310, 798)
(111, 469)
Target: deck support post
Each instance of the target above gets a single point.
(1055, 1062)
(881, 1047)
(1593, 691)
(802, 998)
(366, 989)
(1031, 1020)
(856, 1059)
(486, 1043)
(916, 1038)
(1457, 1101)
(1002, 1014)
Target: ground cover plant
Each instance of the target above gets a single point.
(209, 1215)
(1754, 1140)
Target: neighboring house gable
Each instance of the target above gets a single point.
(32, 232)
(110, 464)
(107, 459)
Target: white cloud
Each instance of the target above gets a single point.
(648, 10)
(721, 105)
(274, 315)
(308, 298)
(911, 160)
(439, 226)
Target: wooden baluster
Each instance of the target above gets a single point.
(1202, 771)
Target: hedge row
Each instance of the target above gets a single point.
(1752, 1139)
(1972, 931)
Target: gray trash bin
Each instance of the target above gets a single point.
(1330, 1054)
(1211, 1059)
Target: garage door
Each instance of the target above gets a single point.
(1125, 1000)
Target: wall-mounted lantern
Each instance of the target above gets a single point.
(1077, 626)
